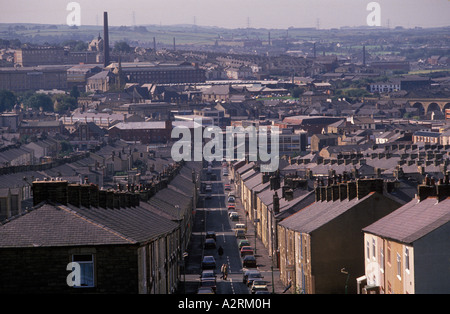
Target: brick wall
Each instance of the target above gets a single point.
(43, 270)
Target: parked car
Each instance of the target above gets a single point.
(208, 274)
(241, 226)
(259, 285)
(208, 279)
(231, 194)
(227, 187)
(208, 262)
(249, 261)
(231, 206)
(211, 234)
(244, 243)
(252, 275)
(231, 199)
(234, 216)
(209, 284)
(246, 250)
(210, 244)
(240, 234)
(205, 290)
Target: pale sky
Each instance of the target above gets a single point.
(232, 13)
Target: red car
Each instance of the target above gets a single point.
(231, 206)
(246, 250)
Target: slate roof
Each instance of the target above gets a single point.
(58, 225)
(137, 224)
(412, 221)
(318, 214)
(245, 168)
(51, 225)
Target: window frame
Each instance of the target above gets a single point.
(81, 263)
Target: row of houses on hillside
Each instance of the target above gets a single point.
(336, 233)
(79, 238)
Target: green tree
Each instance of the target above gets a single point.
(63, 103)
(39, 101)
(75, 93)
(122, 46)
(7, 100)
(297, 91)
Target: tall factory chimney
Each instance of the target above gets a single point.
(364, 55)
(106, 39)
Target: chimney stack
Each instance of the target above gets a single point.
(55, 191)
(102, 194)
(289, 195)
(265, 177)
(364, 55)
(276, 203)
(443, 188)
(366, 186)
(74, 194)
(351, 190)
(106, 39)
(275, 182)
(426, 189)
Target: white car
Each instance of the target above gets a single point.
(234, 216)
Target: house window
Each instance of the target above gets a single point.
(382, 259)
(374, 253)
(86, 262)
(389, 253)
(301, 248)
(399, 266)
(406, 259)
(367, 250)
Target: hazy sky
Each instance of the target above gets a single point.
(231, 13)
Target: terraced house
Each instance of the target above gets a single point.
(408, 251)
(322, 244)
(121, 242)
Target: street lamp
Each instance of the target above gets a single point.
(343, 271)
(185, 254)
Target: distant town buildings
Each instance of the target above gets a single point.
(359, 203)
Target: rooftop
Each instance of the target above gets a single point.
(413, 220)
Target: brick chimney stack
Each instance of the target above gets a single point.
(276, 203)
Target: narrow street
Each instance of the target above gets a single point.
(212, 214)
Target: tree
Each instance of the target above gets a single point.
(122, 46)
(75, 93)
(297, 91)
(63, 103)
(39, 101)
(7, 100)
